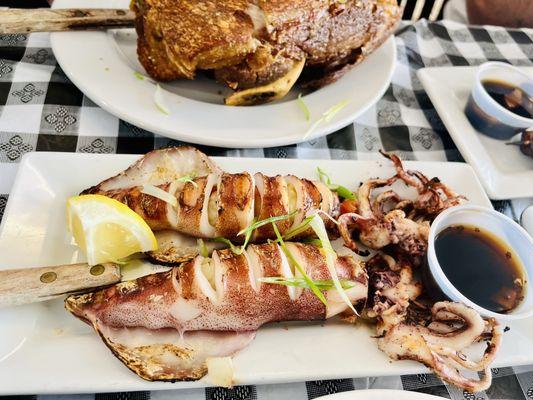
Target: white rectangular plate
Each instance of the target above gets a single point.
(505, 172)
(43, 349)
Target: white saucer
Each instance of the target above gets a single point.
(379, 394)
(503, 170)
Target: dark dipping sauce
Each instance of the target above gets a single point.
(510, 97)
(481, 267)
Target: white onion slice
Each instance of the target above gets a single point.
(202, 282)
(254, 265)
(160, 194)
(220, 371)
(206, 228)
(286, 272)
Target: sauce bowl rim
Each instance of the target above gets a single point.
(449, 288)
(478, 83)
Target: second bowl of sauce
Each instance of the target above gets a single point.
(501, 102)
(482, 258)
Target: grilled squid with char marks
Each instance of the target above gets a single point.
(433, 334)
(152, 324)
(223, 204)
(389, 221)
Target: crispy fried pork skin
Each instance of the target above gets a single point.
(222, 293)
(177, 37)
(251, 44)
(158, 167)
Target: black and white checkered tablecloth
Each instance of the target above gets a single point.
(40, 110)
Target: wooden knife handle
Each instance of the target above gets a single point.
(15, 20)
(29, 285)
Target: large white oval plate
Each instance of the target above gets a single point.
(379, 394)
(102, 66)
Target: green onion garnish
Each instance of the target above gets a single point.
(327, 116)
(202, 248)
(320, 229)
(139, 76)
(159, 100)
(258, 224)
(304, 225)
(187, 179)
(292, 260)
(342, 191)
(250, 229)
(235, 249)
(302, 283)
(303, 107)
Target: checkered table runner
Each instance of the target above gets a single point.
(41, 110)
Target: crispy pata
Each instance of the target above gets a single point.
(260, 46)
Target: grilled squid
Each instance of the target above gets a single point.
(388, 220)
(436, 335)
(153, 318)
(223, 204)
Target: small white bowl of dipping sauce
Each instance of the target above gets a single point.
(480, 257)
(501, 102)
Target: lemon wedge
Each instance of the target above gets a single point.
(107, 230)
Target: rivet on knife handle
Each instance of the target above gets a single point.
(28, 285)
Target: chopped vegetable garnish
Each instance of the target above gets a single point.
(235, 249)
(258, 224)
(188, 179)
(303, 107)
(313, 241)
(139, 76)
(302, 283)
(159, 100)
(160, 194)
(304, 225)
(327, 116)
(292, 260)
(202, 248)
(249, 230)
(342, 191)
(345, 193)
(330, 112)
(318, 226)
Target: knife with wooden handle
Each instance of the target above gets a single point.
(29, 285)
(15, 20)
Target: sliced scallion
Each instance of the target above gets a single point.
(327, 116)
(188, 179)
(342, 191)
(300, 269)
(202, 248)
(159, 100)
(320, 229)
(302, 283)
(303, 107)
